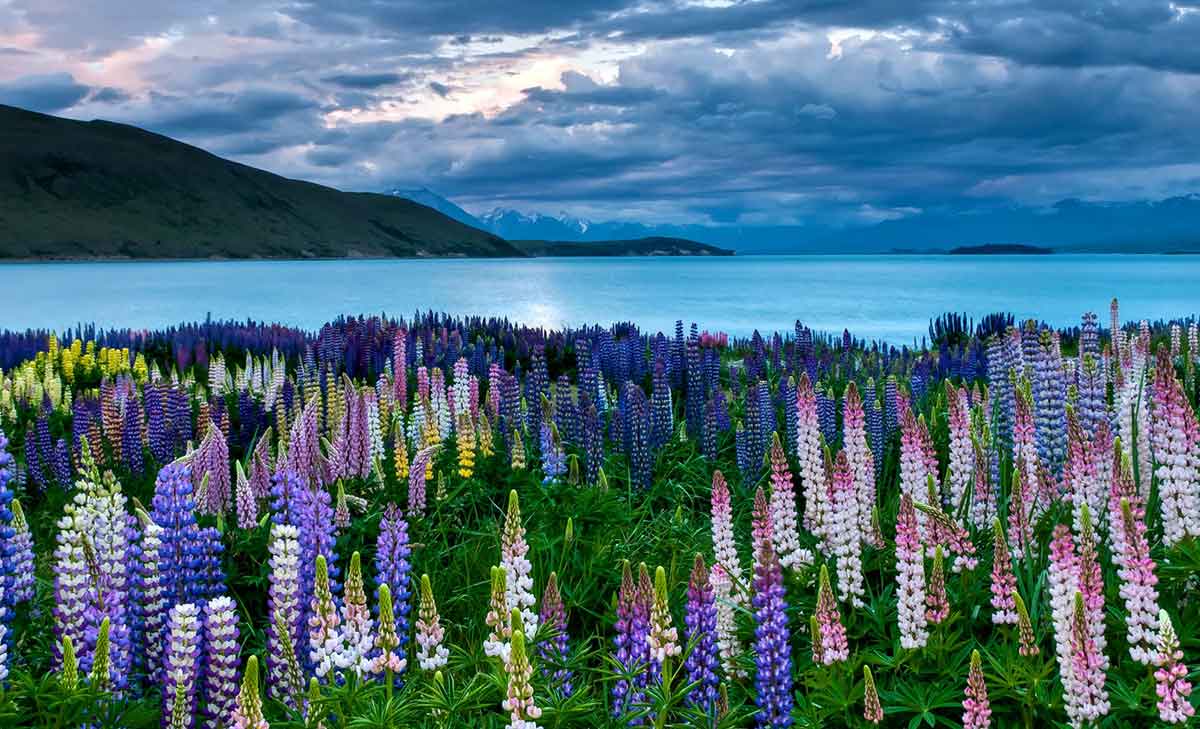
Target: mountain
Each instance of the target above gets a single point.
(655, 246)
(431, 199)
(73, 189)
(515, 225)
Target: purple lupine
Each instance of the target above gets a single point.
(661, 425)
(630, 647)
(12, 567)
(131, 436)
(392, 568)
(220, 661)
(19, 553)
(555, 652)
(700, 632)
(773, 656)
(182, 667)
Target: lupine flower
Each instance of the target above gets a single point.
(844, 533)
(1003, 580)
(283, 605)
(629, 644)
(431, 654)
(517, 567)
(1138, 587)
(783, 506)
(247, 504)
(248, 714)
(1173, 687)
(21, 588)
(1176, 437)
(862, 467)
(324, 637)
(555, 652)
(1029, 645)
(961, 471)
(663, 638)
(69, 675)
(220, 661)
(828, 619)
(977, 713)
(392, 567)
(497, 642)
(100, 676)
(809, 454)
(182, 662)
(700, 631)
(910, 577)
(1087, 699)
(386, 640)
(518, 701)
(872, 710)
(357, 635)
(773, 674)
(938, 605)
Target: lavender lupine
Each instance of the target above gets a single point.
(220, 660)
(830, 633)
(182, 663)
(977, 712)
(20, 558)
(392, 568)
(773, 660)
(247, 504)
(700, 632)
(1172, 685)
(283, 609)
(431, 653)
(555, 652)
(910, 577)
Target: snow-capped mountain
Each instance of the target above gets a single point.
(515, 225)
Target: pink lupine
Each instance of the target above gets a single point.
(1172, 685)
(910, 577)
(977, 712)
(810, 456)
(783, 507)
(1003, 581)
(1138, 587)
(858, 454)
(845, 537)
(913, 472)
(961, 471)
(1087, 699)
(936, 601)
(832, 633)
(1176, 440)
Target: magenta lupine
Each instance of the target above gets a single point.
(1004, 582)
(700, 632)
(910, 577)
(844, 535)
(977, 713)
(220, 661)
(783, 507)
(1176, 440)
(1171, 680)
(830, 631)
(810, 456)
(772, 651)
(1138, 587)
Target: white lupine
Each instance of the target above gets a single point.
(1176, 438)
(728, 643)
(811, 457)
(845, 539)
(960, 476)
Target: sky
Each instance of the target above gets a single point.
(715, 112)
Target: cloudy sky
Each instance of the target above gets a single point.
(707, 111)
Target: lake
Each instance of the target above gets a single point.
(884, 297)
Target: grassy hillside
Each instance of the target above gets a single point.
(71, 189)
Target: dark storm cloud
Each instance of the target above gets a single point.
(46, 93)
(751, 111)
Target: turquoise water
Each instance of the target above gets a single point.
(885, 297)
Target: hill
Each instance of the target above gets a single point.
(652, 246)
(72, 189)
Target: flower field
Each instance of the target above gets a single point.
(464, 522)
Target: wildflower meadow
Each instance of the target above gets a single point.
(437, 521)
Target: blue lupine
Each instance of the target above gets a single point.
(392, 568)
(772, 651)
